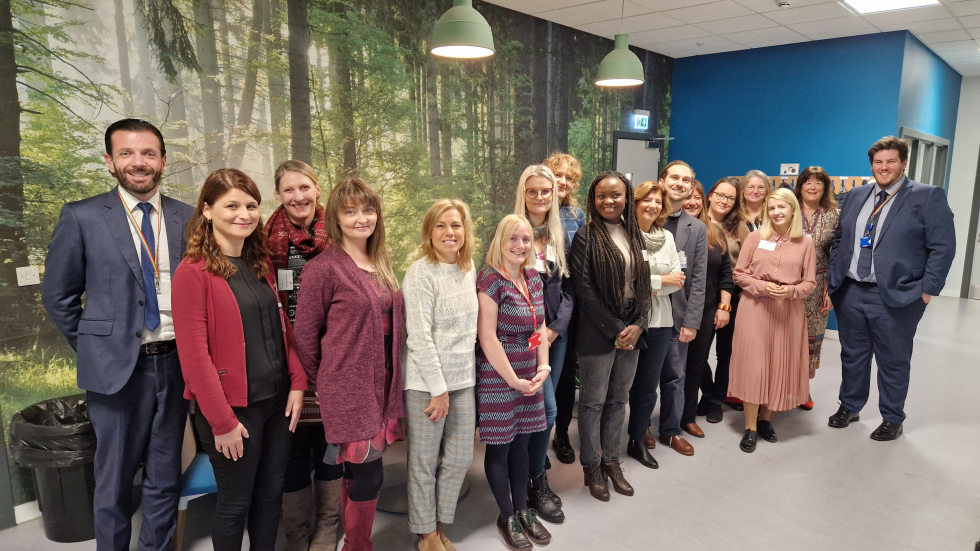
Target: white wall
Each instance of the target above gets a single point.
(963, 173)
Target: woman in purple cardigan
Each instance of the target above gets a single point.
(348, 336)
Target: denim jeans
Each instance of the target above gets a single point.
(643, 393)
(538, 445)
(605, 381)
(672, 387)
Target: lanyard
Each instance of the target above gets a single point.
(871, 220)
(151, 254)
(526, 293)
(813, 226)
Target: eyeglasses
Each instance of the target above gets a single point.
(534, 193)
(722, 198)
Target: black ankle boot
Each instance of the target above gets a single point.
(563, 448)
(539, 497)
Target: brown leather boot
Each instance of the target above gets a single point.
(297, 518)
(514, 537)
(327, 531)
(596, 481)
(533, 528)
(615, 473)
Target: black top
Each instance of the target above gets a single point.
(265, 349)
(559, 299)
(719, 278)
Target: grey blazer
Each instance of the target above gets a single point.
(692, 238)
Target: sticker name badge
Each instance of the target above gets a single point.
(285, 280)
(767, 245)
(646, 255)
(682, 256)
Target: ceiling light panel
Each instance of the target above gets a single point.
(865, 7)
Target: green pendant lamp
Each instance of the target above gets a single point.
(462, 33)
(620, 67)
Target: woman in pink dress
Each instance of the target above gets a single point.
(770, 359)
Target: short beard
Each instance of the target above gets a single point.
(137, 190)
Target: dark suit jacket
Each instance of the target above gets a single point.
(692, 238)
(915, 244)
(597, 327)
(92, 254)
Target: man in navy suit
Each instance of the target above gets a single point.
(118, 251)
(892, 250)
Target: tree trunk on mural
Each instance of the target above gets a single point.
(247, 105)
(445, 124)
(145, 90)
(177, 123)
(122, 48)
(219, 11)
(540, 107)
(207, 55)
(299, 80)
(432, 116)
(277, 82)
(342, 90)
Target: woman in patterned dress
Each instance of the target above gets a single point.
(820, 214)
(512, 365)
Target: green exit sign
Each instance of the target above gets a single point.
(641, 122)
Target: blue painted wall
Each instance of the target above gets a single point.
(822, 103)
(930, 92)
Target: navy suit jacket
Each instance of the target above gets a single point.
(914, 247)
(92, 254)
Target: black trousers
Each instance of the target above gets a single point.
(716, 389)
(697, 364)
(565, 391)
(250, 488)
(306, 456)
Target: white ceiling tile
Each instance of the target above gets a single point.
(718, 50)
(703, 43)
(738, 24)
(608, 29)
(832, 25)
(556, 4)
(650, 21)
(935, 25)
(950, 46)
(603, 10)
(965, 8)
(666, 50)
(841, 33)
(970, 21)
(709, 12)
(670, 34)
(777, 42)
(810, 13)
(763, 6)
(944, 36)
(962, 55)
(762, 35)
(975, 33)
(900, 17)
(523, 6)
(664, 5)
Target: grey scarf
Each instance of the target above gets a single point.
(654, 240)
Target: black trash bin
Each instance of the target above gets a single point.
(56, 439)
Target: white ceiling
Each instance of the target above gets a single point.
(681, 28)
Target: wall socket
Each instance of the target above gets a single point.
(28, 275)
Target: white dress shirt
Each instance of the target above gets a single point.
(862, 223)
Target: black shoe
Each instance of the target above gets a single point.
(638, 451)
(547, 463)
(737, 407)
(702, 408)
(563, 448)
(534, 530)
(714, 413)
(749, 440)
(887, 431)
(539, 497)
(843, 417)
(766, 431)
(513, 533)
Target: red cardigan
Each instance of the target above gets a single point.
(340, 342)
(211, 344)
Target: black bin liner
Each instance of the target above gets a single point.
(56, 439)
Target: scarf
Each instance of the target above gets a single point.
(283, 233)
(654, 240)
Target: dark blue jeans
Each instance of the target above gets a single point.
(672, 386)
(643, 393)
(143, 422)
(538, 446)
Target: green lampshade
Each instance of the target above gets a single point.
(620, 67)
(462, 33)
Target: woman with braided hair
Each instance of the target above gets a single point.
(612, 284)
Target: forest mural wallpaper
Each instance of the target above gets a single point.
(345, 85)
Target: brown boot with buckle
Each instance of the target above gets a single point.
(615, 473)
(596, 481)
(678, 444)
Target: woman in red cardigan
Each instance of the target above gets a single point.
(349, 335)
(236, 352)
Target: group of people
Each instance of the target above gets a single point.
(304, 359)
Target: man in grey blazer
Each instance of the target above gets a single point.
(107, 288)
(687, 307)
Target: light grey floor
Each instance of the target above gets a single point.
(817, 489)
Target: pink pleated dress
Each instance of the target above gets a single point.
(770, 358)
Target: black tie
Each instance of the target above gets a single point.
(864, 260)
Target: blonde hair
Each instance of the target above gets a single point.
(648, 187)
(506, 227)
(554, 162)
(795, 225)
(352, 192)
(296, 166)
(432, 216)
(554, 225)
(741, 187)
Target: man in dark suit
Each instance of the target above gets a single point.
(687, 305)
(892, 250)
(118, 251)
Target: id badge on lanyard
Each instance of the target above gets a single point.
(534, 340)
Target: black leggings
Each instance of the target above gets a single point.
(252, 486)
(306, 456)
(506, 466)
(367, 479)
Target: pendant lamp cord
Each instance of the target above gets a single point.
(622, 18)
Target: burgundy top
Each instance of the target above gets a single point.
(341, 344)
(211, 344)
